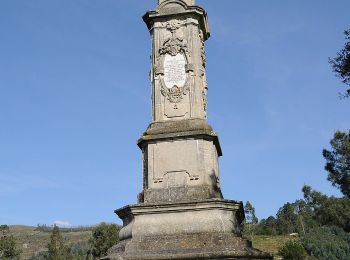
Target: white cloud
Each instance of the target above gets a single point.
(63, 224)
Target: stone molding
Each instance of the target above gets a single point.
(216, 240)
(180, 129)
(186, 11)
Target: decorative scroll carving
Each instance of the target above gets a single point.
(173, 25)
(204, 96)
(173, 46)
(203, 55)
(174, 94)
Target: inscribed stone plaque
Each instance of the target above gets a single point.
(174, 70)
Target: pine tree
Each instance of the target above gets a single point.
(341, 63)
(57, 250)
(338, 162)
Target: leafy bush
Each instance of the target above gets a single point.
(104, 236)
(8, 249)
(327, 243)
(292, 250)
(81, 251)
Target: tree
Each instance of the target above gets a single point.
(338, 162)
(250, 218)
(341, 63)
(287, 219)
(267, 227)
(306, 216)
(330, 211)
(8, 249)
(292, 250)
(57, 250)
(104, 236)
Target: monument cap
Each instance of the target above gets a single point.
(188, 2)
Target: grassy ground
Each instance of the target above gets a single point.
(31, 241)
(270, 244)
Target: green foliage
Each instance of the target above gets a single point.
(293, 250)
(338, 160)
(267, 227)
(46, 228)
(57, 250)
(287, 219)
(294, 217)
(249, 211)
(341, 63)
(8, 248)
(329, 211)
(81, 251)
(327, 243)
(104, 236)
(250, 220)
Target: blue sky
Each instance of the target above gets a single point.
(75, 97)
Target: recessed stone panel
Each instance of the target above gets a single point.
(173, 163)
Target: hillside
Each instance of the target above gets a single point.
(270, 244)
(32, 241)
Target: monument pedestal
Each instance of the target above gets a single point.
(181, 213)
(208, 229)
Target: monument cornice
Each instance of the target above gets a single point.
(180, 129)
(209, 204)
(200, 134)
(153, 16)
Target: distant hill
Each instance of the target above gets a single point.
(33, 240)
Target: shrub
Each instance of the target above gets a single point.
(327, 243)
(8, 249)
(292, 250)
(104, 236)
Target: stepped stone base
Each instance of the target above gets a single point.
(190, 230)
(193, 246)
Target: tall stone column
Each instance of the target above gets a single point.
(181, 213)
(180, 149)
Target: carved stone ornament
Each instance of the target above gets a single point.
(174, 49)
(173, 46)
(174, 94)
(203, 55)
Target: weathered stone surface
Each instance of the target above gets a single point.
(188, 2)
(208, 229)
(178, 29)
(181, 218)
(184, 193)
(181, 213)
(183, 129)
(172, 166)
(189, 125)
(193, 246)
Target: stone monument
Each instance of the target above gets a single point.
(181, 213)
